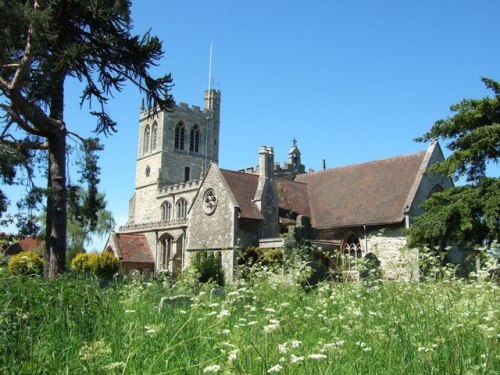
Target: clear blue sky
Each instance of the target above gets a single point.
(352, 81)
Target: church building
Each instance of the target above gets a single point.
(183, 202)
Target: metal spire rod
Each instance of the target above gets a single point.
(210, 69)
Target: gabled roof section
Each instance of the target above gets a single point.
(292, 196)
(362, 194)
(133, 248)
(243, 187)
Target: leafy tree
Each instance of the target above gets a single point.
(42, 44)
(467, 215)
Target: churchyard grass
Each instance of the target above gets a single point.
(271, 325)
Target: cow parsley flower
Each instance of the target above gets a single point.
(275, 369)
(211, 369)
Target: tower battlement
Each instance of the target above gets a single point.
(180, 187)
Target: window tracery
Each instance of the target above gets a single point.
(147, 135)
(166, 211)
(154, 136)
(179, 136)
(194, 139)
(181, 208)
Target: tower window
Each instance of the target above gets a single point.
(179, 136)
(182, 208)
(154, 136)
(147, 134)
(187, 174)
(194, 139)
(166, 211)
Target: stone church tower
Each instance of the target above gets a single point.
(173, 148)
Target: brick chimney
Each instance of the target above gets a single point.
(266, 197)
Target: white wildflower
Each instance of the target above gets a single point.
(274, 321)
(233, 354)
(211, 369)
(270, 328)
(252, 323)
(270, 310)
(223, 313)
(213, 305)
(296, 359)
(296, 343)
(274, 369)
(316, 356)
(282, 348)
(114, 365)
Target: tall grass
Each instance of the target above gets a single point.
(73, 326)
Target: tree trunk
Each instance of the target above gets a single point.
(55, 242)
(56, 206)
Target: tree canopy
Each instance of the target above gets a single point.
(466, 215)
(42, 44)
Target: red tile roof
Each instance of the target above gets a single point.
(29, 243)
(368, 193)
(134, 248)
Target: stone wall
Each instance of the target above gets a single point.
(212, 229)
(429, 181)
(397, 262)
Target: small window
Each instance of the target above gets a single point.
(187, 174)
(179, 136)
(182, 208)
(154, 136)
(194, 139)
(147, 134)
(166, 211)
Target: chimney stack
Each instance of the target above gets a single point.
(266, 197)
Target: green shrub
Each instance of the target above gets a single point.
(209, 267)
(26, 263)
(84, 263)
(265, 256)
(102, 265)
(107, 265)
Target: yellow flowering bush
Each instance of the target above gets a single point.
(26, 263)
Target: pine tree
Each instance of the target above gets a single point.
(44, 43)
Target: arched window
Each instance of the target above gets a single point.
(351, 248)
(194, 139)
(154, 136)
(166, 211)
(166, 249)
(181, 208)
(147, 134)
(179, 136)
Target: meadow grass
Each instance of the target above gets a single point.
(270, 325)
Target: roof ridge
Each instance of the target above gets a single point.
(367, 162)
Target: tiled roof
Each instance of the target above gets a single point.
(243, 187)
(29, 243)
(368, 193)
(134, 248)
(292, 196)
